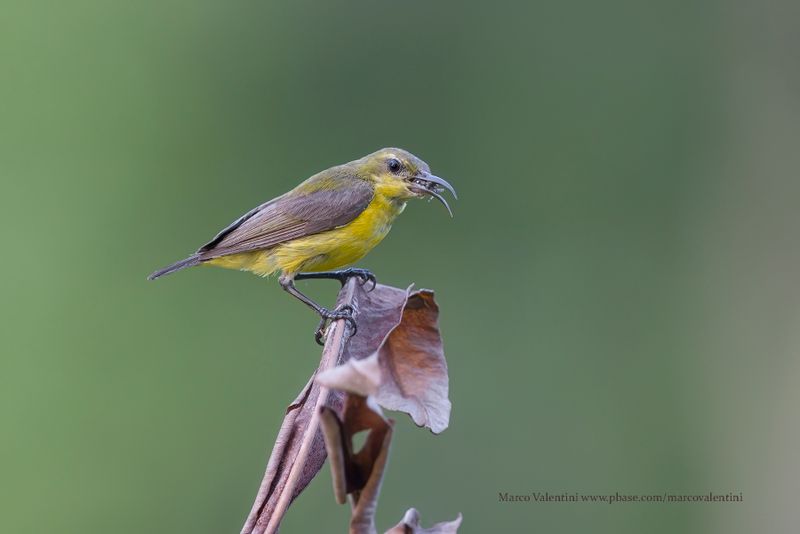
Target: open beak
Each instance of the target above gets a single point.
(433, 186)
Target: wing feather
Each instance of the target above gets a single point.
(317, 205)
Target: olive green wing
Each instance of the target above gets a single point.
(315, 206)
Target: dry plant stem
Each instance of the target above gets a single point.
(334, 344)
(331, 353)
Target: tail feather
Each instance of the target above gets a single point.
(177, 266)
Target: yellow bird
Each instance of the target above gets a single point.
(329, 221)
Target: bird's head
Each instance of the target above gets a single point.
(404, 171)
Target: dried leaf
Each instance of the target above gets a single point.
(362, 377)
(415, 377)
(358, 473)
(402, 327)
(379, 312)
(410, 525)
(401, 362)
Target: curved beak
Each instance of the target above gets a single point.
(441, 182)
(429, 184)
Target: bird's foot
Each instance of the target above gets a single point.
(342, 276)
(345, 311)
(365, 276)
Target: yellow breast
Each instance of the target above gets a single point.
(332, 249)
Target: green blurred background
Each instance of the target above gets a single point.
(619, 292)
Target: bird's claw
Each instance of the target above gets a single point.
(369, 277)
(363, 274)
(345, 311)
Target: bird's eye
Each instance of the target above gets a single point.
(393, 165)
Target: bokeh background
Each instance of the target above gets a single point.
(619, 287)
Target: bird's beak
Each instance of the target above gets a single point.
(428, 184)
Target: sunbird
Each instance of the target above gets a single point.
(329, 221)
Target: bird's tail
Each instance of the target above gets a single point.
(177, 266)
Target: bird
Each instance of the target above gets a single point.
(328, 222)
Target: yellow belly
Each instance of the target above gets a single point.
(327, 250)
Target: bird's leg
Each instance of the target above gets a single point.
(341, 276)
(342, 312)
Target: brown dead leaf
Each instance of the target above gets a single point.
(403, 328)
(379, 312)
(360, 473)
(357, 473)
(362, 377)
(415, 377)
(358, 379)
(410, 525)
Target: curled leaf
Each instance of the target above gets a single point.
(358, 473)
(414, 370)
(410, 525)
(402, 327)
(362, 377)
